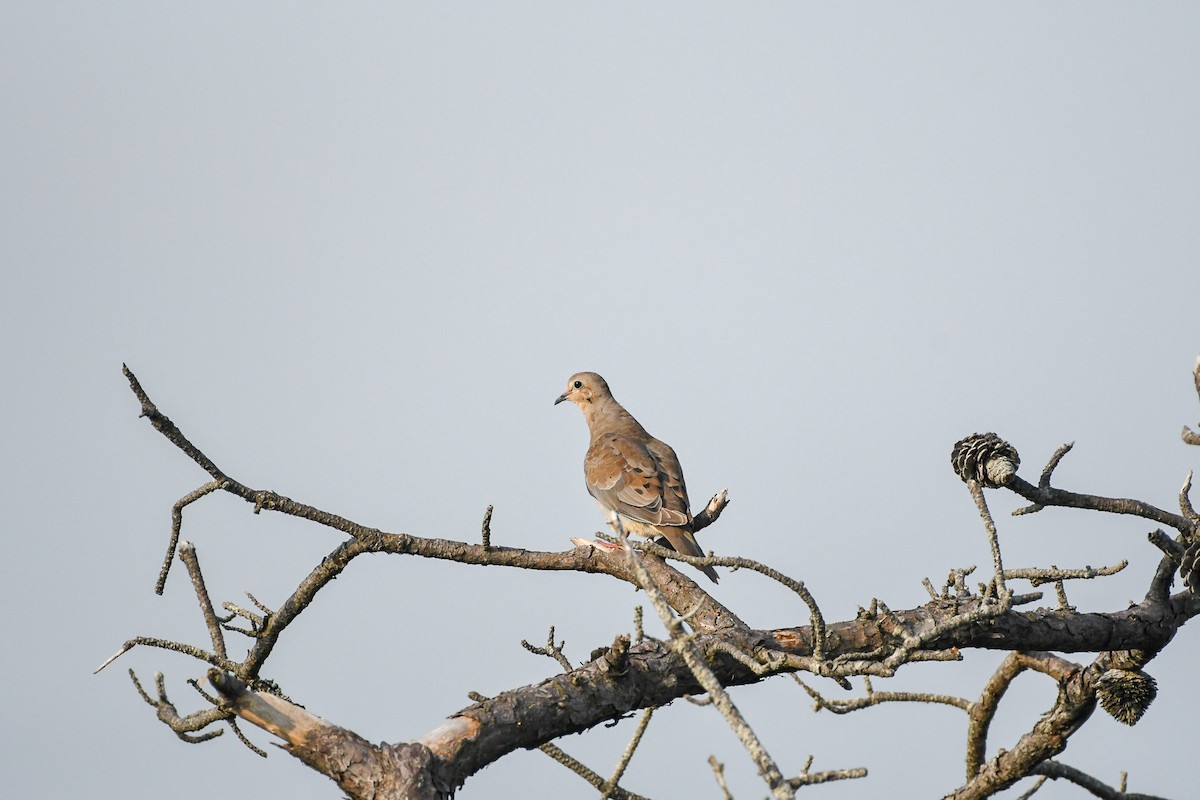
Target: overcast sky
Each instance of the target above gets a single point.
(354, 251)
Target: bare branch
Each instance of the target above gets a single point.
(260, 499)
(1171, 548)
(719, 773)
(1037, 784)
(644, 674)
(1037, 576)
(710, 512)
(611, 785)
(1054, 770)
(257, 621)
(487, 529)
(184, 727)
(1048, 737)
(251, 746)
(187, 554)
(176, 524)
(1185, 500)
(1052, 464)
(1190, 437)
(981, 503)
(387, 772)
(551, 649)
(874, 698)
(1043, 496)
(982, 711)
(807, 778)
(681, 593)
(178, 647)
(594, 778)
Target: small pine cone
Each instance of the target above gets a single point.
(987, 458)
(1189, 567)
(1126, 694)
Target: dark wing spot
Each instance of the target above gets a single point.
(644, 486)
(639, 491)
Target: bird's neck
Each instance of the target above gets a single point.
(606, 416)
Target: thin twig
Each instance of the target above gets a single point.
(165, 644)
(814, 778)
(1037, 575)
(1037, 784)
(993, 540)
(251, 746)
(874, 698)
(615, 779)
(594, 778)
(719, 773)
(552, 650)
(487, 529)
(1185, 500)
(257, 621)
(1061, 591)
(1055, 770)
(184, 727)
(187, 554)
(176, 526)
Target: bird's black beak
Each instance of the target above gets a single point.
(561, 397)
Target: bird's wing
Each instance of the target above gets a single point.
(675, 497)
(638, 478)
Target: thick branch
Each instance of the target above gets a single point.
(385, 772)
(652, 675)
(1075, 703)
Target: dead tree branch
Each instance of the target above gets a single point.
(1056, 770)
(719, 651)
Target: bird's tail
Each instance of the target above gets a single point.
(682, 541)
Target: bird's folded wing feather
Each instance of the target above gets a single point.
(639, 479)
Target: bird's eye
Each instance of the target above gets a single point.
(578, 384)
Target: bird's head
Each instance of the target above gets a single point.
(584, 388)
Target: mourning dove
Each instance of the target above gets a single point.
(634, 477)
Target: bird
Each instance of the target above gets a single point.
(634, 477)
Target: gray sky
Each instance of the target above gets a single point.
(355, 252)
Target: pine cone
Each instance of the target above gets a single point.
(987, 458)
(1189, 567)
(1126, 694)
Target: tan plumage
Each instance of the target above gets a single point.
(632, 475)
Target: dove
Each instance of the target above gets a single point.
(634, 477)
